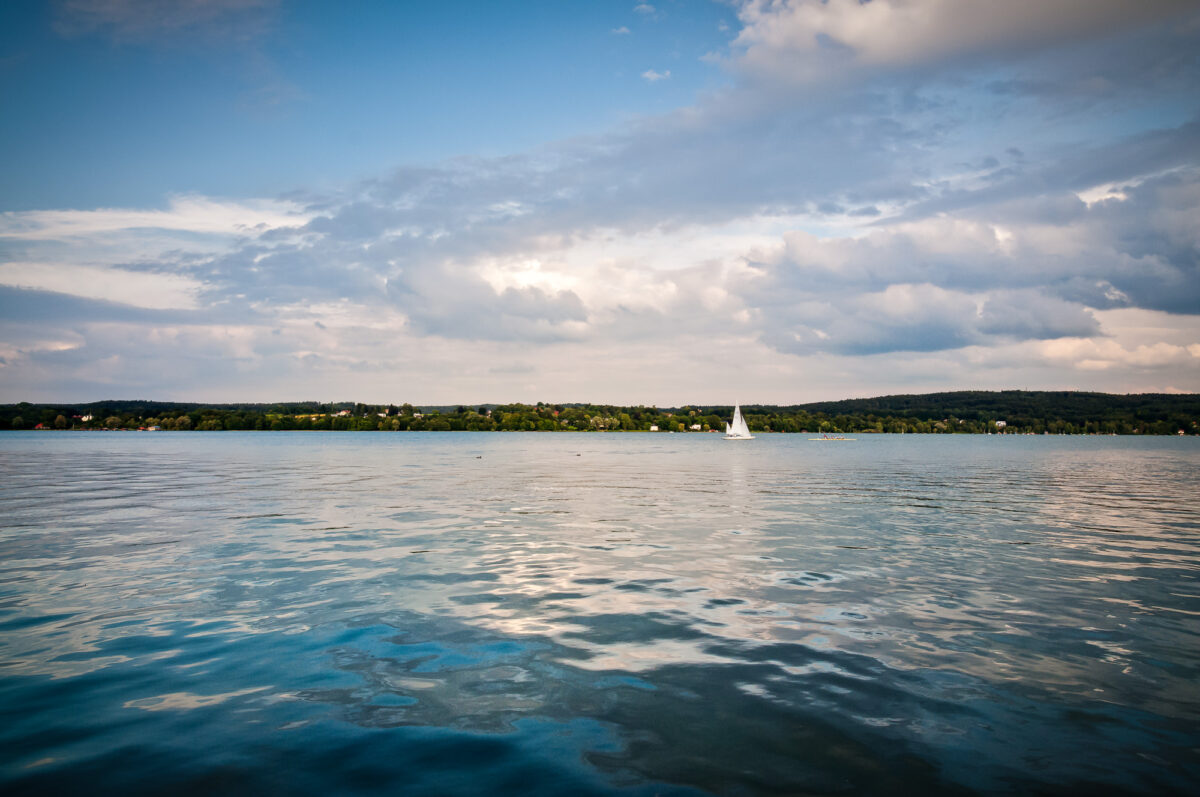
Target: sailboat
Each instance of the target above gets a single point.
(737, 428)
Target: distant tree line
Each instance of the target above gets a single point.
(962, 412)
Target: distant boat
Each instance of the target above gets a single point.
(737, 428)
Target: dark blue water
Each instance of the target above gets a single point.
(514, 614)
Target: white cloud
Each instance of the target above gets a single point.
(804, 39)
(133, 288)
(189, 213)
(621, 31)
(644, 8)
(1091, 354)
(653, 77)
(1101, 193)
(142, 258)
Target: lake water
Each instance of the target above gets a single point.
(588, 614)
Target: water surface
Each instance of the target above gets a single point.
(471, 614)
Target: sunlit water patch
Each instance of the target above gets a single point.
(460, 614)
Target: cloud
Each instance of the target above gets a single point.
(1031, 315)
(653, 77)
(804, 39)
(1131, 159)
(890, 224)
(914, 318)
(186, 213)
(59, 310)
(142, 257)
(621, 31)
(133, 288)
(647, 233)
(1111, 254)
(455, 302)
(899, 318)
(645, 9)
(1088, 354)
(615, 239)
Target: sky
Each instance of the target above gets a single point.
(677, 202)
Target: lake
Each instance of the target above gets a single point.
(593, 614)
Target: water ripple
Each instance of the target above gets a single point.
(597, 614)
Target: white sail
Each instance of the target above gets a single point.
(737, 428)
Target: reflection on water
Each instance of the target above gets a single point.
(644, 614)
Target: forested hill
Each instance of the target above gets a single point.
(1009, 411)
(1017, 407)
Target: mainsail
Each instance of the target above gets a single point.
(737, 429)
